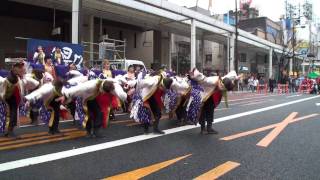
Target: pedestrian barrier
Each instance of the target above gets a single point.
(304, 88)
(262, 88)
(283, 89)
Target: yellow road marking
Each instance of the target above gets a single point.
(246, 133)
(142, 172)
(123, 121)
(239, 135)
(218, 171)
(34, 135)
(266, 141)
(133, 124)
(71, 136)
(48, 136)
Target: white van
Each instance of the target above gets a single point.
(123, 64)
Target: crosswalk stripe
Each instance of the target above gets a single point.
(145, 171)
(71, 136)
(3, 139)
(218, 171)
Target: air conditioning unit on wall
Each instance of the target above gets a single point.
(56, 31)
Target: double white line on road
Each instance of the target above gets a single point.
(93, 148)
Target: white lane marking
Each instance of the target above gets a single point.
(262, 109)
(107, 145)
(296, 95)
(317, 104)
(258, 97)
(240, 103)
(257, 102)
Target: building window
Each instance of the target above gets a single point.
(208, 58)
(135, 40)
(104, 31)
(243, 57)
(184, 49)
(121, 36)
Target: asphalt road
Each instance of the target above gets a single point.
(279, 140)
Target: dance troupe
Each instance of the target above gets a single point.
(91, 95)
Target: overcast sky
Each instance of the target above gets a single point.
(270, 8)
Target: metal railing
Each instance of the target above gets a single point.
(108, 48)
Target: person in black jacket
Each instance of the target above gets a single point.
(272, 82)
(13, 96)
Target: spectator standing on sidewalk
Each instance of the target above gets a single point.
(241, 82)
(250, 83)
(298, 83)
(272, 83)
(255, 83)
(246, 79)
(261, 83)
(293, 84)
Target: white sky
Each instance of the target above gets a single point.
(272, 9)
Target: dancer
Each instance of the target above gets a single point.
(201, 103)
(96, 96)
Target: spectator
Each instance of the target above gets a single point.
(106, 71)
(290, 83)
(137, 70)
(293, 84)
(251, 83)
(241, 82)
(131, 73)
(255, 83)
(261, 83)
(49, 68)
(129, 90)
(298, 83)
(272, 83)
(246, 82)
(39, 56)
(57, 56)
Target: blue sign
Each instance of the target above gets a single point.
(69, 53)
(272, 31)
(229, 19)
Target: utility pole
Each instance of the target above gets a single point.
(236, 41)
(294, 17)
(293, 46)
